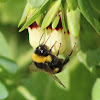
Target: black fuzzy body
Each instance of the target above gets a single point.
(56, 62)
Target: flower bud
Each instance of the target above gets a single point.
(48, 24)
(67, 40)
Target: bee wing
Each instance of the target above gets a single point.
(53, 75)
(33, 68)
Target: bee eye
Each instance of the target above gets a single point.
(41, 51)
(38, 47)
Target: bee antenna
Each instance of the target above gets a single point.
(41, 38)
(47, 39)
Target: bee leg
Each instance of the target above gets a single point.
(67, 59)
(52, 47)
(58, 50)
(47, 39)
(43, 40)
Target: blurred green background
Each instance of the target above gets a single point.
(81, 77)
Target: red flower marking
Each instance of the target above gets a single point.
(59, 26)
(68, 32)
(34, 25)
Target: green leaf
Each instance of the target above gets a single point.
(83, 59)
(89, 39)
(72, 4)
(96, 6)
(3, 91)
(24, 91)
(35, 16)
(73, 19)
(4, 50)
(96, 90)
(2, 1)
(11, 11)
(20, 49)
(89, 14)
(26, 10)
(39, 20)
(94, 57)
(35, 3)
(8, 65)
(55, 22)
(63, 18)
(91, 59)
(51, 14)
(90, 47)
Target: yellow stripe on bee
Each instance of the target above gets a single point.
(41, 59)
(55, 70)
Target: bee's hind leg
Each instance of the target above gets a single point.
(67, 59)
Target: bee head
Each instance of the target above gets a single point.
(41, 50)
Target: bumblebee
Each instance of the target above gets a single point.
(44, 60)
